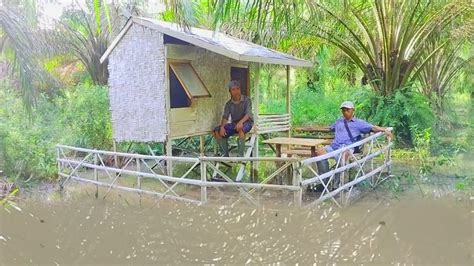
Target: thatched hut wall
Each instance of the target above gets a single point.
(137, 86)
(214, 71)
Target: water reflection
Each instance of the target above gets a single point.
(82, 229)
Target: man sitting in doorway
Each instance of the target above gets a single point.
(239, 107)
(348, 130)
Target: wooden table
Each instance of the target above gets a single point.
(304, 142)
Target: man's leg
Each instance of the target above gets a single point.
(247, 126)
(323, 165)
(222, 141)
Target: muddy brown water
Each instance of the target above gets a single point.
(77, 228)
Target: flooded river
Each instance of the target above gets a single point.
(125, 229)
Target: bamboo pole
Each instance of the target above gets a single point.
(96, 176)
(203, 169)
(201, 145)
(247, 159)
(133, 155)
(134, 190)
(288, 96)
(139, 180)
(115, 155)
(256, 119)
(297, 195)
(135, 173)
(169, 153)
(58, 154)
(168, 148)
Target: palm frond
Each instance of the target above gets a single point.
(21, 41)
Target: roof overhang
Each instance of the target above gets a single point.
(214, 45)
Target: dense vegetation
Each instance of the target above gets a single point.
(406, 64)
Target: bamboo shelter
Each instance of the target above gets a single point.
(168, 82)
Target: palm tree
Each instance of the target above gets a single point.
(387, 42)
(440, 71)
(20, 44)
(79, 33)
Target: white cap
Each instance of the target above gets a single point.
(347, 104)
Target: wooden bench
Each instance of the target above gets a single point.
(319, 132)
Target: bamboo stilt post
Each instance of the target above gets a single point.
(168, 146)
(139, 179)
(389, 158)
(115, 156)
(343, 173)
(203, 169)
(96, 176)
(256, 119)
(297, 195)
(58, 155)
(169, 163)
(201, 145)
(288, 95)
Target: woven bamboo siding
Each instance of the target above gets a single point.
(204, 113)
(137, 87)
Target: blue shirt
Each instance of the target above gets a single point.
(356, 126)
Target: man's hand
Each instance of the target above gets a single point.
(222, 131)
(239, 126)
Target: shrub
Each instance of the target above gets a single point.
(85, 111)
(405, 111)
(27, 144)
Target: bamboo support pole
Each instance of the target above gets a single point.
(96, 176)
(135, 173)
(297, 195)
(169, 153)
(115, 155)
(134, 190)
(288, 95)
(139, 180)
(203, 169)
(133, 155)
(201, 145)
(256, 119)
(58, 154)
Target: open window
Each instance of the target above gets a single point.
(185, 85)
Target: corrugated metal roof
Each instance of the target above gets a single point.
(217, 42)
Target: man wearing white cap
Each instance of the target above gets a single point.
(348, 130)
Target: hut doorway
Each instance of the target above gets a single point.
(241, 74)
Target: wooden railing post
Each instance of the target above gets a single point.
(96, 176)
(139, 178)
(297, 195)
(203, 168)
(58, 149)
